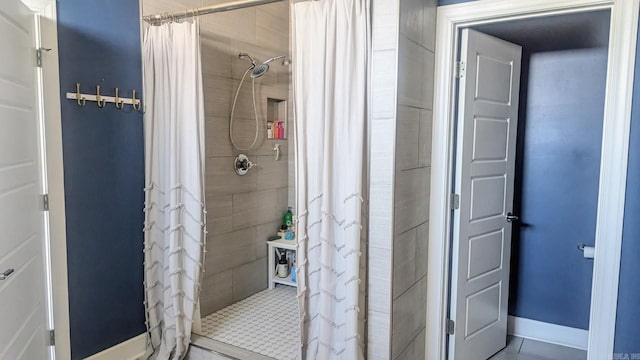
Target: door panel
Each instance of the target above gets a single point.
(494, 78)
(482, 310)
(22, 345)
(486, 250)
(22, 294)
(483, 206)
(485, 163)
(496, 150)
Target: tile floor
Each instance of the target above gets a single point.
(265, 323)
(525, 349)
(265, 327)
(517, 349)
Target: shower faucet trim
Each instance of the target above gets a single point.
(242, 164)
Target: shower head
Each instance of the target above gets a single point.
(259, 70)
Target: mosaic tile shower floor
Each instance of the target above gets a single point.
(265, 323)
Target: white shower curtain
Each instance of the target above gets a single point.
(330, 59)
(175, 226)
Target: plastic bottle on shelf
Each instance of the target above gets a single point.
(270, 130)
(293, 267)
(283, 266)
(288, 218)
(289, 235)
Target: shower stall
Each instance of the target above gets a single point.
(245, 60)
(276, 272)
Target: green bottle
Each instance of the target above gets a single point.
(287, 219)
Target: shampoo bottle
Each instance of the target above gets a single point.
(270, 130)
(293, 267)
(283, 266)
(288, 218)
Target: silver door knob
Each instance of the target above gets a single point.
(6, 274)
(512, 218)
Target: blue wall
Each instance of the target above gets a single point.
(557, 176)
(627, 338)
(99, 44)
(628, 321)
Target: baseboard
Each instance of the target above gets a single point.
(127, 350)
(549, 333)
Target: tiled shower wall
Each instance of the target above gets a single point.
(242, 211)
(400, 155)
(412, 177)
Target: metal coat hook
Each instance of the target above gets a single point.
(135, 102)
(82, 101)
(119, 103)
(99, 100)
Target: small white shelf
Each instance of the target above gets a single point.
(284, 244)
(284, 281)
(271, 253)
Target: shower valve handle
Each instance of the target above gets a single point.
(243, 164)
(247, 164)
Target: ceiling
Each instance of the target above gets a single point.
(551, 33)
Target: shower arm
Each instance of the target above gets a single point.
(285, 60)
(245, 55)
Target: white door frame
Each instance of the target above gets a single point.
(54, 170)
(613, 168)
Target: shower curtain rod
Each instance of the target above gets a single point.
(232, 5)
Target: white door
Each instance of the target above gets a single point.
(485, 162)
(23, 305)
